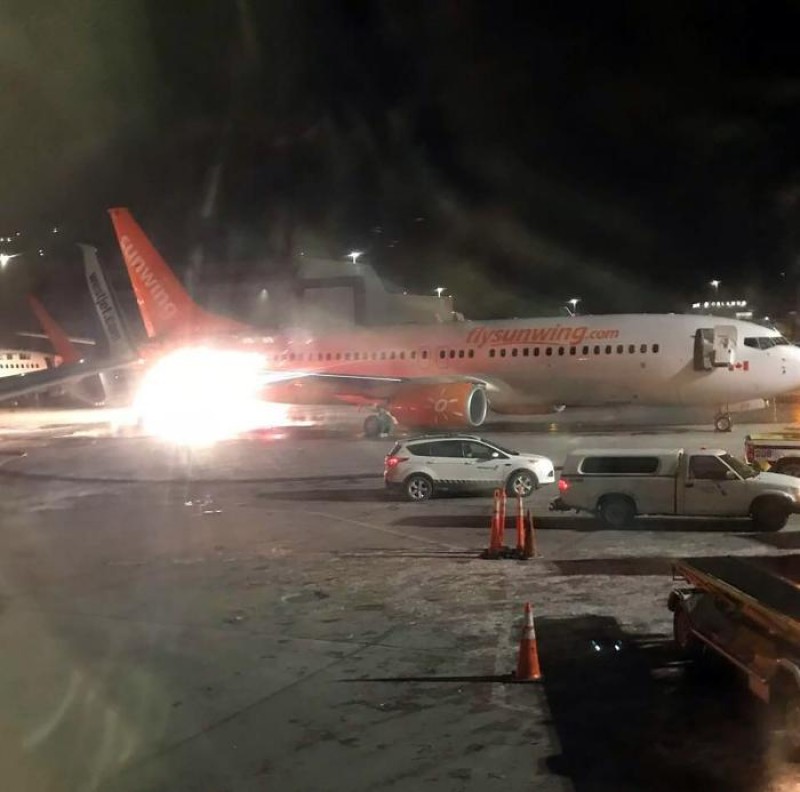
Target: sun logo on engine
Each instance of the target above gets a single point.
(442, 406)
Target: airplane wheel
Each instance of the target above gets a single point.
(372, 426)
(723, 423)
(386, 425)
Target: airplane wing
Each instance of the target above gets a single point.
(37, 381)
(370, 387)
(404, 396)
(45, 337)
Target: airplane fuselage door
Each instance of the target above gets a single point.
(714, 347)
(725, 338)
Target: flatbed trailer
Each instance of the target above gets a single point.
(778, 452)
(747, 611)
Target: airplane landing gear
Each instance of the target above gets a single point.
(378, 425)
(723, 422)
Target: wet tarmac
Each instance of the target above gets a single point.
(262, 615)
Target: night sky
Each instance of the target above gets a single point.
(517, 153)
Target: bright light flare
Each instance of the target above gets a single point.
(199, 396)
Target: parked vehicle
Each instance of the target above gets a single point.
(778, 452)
(420, 466)
(618, 484)
(747, 613)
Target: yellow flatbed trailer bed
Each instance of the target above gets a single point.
(747, 612)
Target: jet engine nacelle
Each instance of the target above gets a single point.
(455, 405)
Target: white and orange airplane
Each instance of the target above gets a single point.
(451, 375)
(30, 371)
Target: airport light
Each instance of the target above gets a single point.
(354, 255)
(440, 290)
(573, 302)
(715, 285)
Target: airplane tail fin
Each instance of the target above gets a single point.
(119, 342)
(63, 347)
(165, 305)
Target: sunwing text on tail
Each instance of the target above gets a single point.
(166, 307)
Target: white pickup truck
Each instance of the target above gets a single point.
(618, 484)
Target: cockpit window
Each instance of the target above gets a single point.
(765, 342)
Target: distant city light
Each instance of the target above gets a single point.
(355, 254)
(720, 304)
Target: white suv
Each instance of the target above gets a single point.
(421, 465)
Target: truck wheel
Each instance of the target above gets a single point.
(688, 645)
(617, 511)
(791, 723)
(769, 514)
(784, 708)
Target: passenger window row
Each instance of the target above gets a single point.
(461, 354)
(325, 356)
(18, 365)
(572, 351)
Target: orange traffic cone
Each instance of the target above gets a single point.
(530, 538)
(495, 533)
(495, 542)
(520, 528)
(528, 661)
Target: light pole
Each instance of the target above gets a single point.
(715, 286)
(573, 302)
(439, 290)
(6, 257)
(354, 255)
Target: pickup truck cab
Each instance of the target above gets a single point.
(618, 484)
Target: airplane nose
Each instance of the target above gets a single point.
(790, 363)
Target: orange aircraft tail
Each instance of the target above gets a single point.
(165, 306)
(63, 347)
